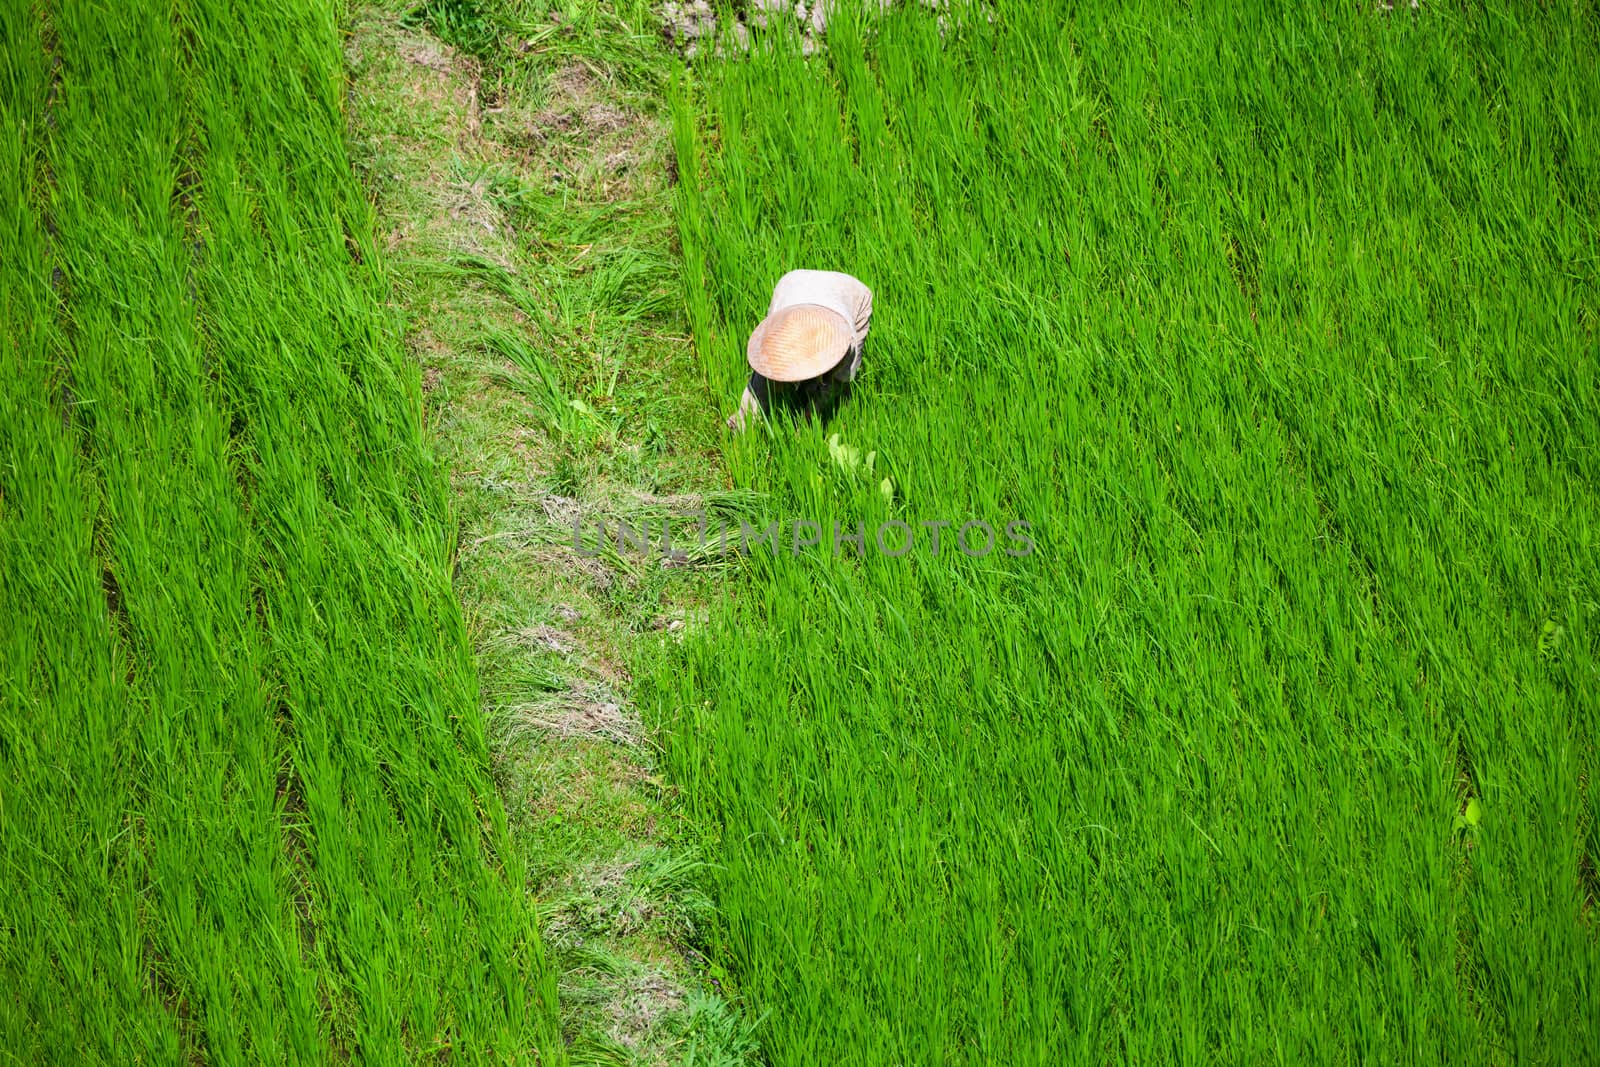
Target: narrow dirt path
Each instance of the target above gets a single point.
(525, 203)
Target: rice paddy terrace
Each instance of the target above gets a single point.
(1260, 727)
(245, 815)
(1282, 334)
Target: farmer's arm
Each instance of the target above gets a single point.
(753, 405)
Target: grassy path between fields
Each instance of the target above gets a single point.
(522, 185)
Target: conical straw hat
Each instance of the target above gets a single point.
(798, 342)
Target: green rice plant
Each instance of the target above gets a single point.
(246, 812)
(1280, 329)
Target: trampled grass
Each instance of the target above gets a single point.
(1282, 333)
(245, 814)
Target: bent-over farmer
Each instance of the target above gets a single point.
(807, 350)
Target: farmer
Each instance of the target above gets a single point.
(807, 350)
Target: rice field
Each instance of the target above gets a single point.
(245, 807)
(1280, 331)
(1179, 647)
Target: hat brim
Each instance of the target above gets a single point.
(798, 343)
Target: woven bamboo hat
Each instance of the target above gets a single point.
(798, 342)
